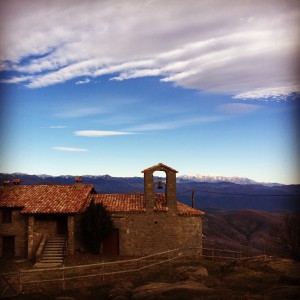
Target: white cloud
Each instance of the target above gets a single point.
(239, 47)
(100, 133)
(66, 149)
(16, 79)
(278, 93)
(84, 81)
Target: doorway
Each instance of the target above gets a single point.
(110, 246)
(8, 246)
(62, 225)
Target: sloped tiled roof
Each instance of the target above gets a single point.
(121, 202)
(134, 203)
(67, 199)
(44, 199)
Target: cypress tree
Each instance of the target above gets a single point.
(96, 225)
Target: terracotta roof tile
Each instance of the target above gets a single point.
(134, 203)
(185, 210)
(121, 202)
(43, 199)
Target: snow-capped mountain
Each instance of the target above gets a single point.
(210, 191)
(215, 179)
(180, 179)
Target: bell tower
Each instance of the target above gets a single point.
(170, 189)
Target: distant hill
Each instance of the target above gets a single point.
(247, 230)
(217, 193)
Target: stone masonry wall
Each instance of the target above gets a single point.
(148, 233)
(17, 228)
(41, 226)
(47, 225)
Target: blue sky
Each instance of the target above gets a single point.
(113, 87)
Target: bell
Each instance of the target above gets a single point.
(160, 184)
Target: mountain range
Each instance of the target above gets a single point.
(182, 178)
(231, 193)
(216, 179)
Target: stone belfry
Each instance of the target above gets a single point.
(170, 188)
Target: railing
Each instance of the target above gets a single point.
(109, 272)
(39, 252)
(65, 248)
(220, 254)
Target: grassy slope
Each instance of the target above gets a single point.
(247, 231)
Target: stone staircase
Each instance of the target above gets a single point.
(53, 253)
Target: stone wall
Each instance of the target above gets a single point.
(149, 233)
(17, 228)
(39, 225)
(45, 224)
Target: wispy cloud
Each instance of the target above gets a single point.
(77, 112)
(16, 79)
(238, 108)
(84, 81)
(100, 133)
(229, 50)
(57, 127)
(67, 149)
(178, 123)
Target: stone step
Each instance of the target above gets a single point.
(53, 248)
(56, 242)
(47, 265)
(52, 258)
(58, 262)
(53, 253)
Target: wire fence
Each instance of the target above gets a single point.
(70, 277)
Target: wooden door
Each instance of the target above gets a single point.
(110, 246)
(62, 225)
(8, 246)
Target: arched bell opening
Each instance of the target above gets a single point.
(159, 178)
(168, 186)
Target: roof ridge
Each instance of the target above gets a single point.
(158, 168)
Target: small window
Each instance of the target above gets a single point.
(6, 216)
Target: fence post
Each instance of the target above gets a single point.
(63, 278)
(138, 270)
(103, 272)
(20, 282)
